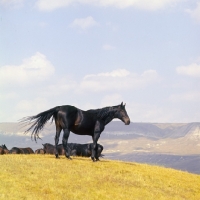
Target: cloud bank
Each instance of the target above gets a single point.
(35, 68)
(84, 23)
(192, 70)
(50, 5)
(120, 79)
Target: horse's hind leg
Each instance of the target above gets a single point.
(58, 130)
(64, 141)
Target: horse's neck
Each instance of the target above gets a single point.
(105, 114)
(109, 118)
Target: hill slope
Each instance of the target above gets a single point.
(44, 177)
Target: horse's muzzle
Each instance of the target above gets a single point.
(126, 121)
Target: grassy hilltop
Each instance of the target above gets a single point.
(44, 177)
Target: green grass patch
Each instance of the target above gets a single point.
(44, 177)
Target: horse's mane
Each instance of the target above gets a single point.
(103, 113)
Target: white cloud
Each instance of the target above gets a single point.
(49, 5)
(84, 23)
(35, 68)
(12, 3)
(195, 13)
(141, 4)
(108, 47)
(114, 73)
(190, 70)
(120, 79)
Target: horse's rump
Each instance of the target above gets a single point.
(40, 151)
(30, 150)
(16, 150)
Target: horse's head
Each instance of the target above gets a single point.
(122, 114)
(44, 146)
(4, 147)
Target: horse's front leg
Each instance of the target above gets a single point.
(64, 141)
(58, 130)
(95, 139)
(94, 147)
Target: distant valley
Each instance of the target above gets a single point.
(167, 144)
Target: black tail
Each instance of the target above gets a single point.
(38, 121)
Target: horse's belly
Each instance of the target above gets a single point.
(83, 125)
(81, 130)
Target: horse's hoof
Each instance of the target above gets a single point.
(69, 157)
(92, 158)
(57, 156)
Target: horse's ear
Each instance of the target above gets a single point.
(122, 104)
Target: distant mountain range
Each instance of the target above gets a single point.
(175, 145)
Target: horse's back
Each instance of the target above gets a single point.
(40, 151)
(16, 150)
(24, 150)
(30, 150)
(76, 120)
(66, 116)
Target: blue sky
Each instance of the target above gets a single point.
(93, 54)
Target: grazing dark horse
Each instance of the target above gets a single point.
(69, 118)
(16, 150)
(24, 150)
(40, 151)
(51, 149)
(27, 150)
(4, 149)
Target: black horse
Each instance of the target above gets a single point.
(4, 149)
(40, 151)
(69, 118)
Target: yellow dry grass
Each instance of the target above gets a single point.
(44, 177)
